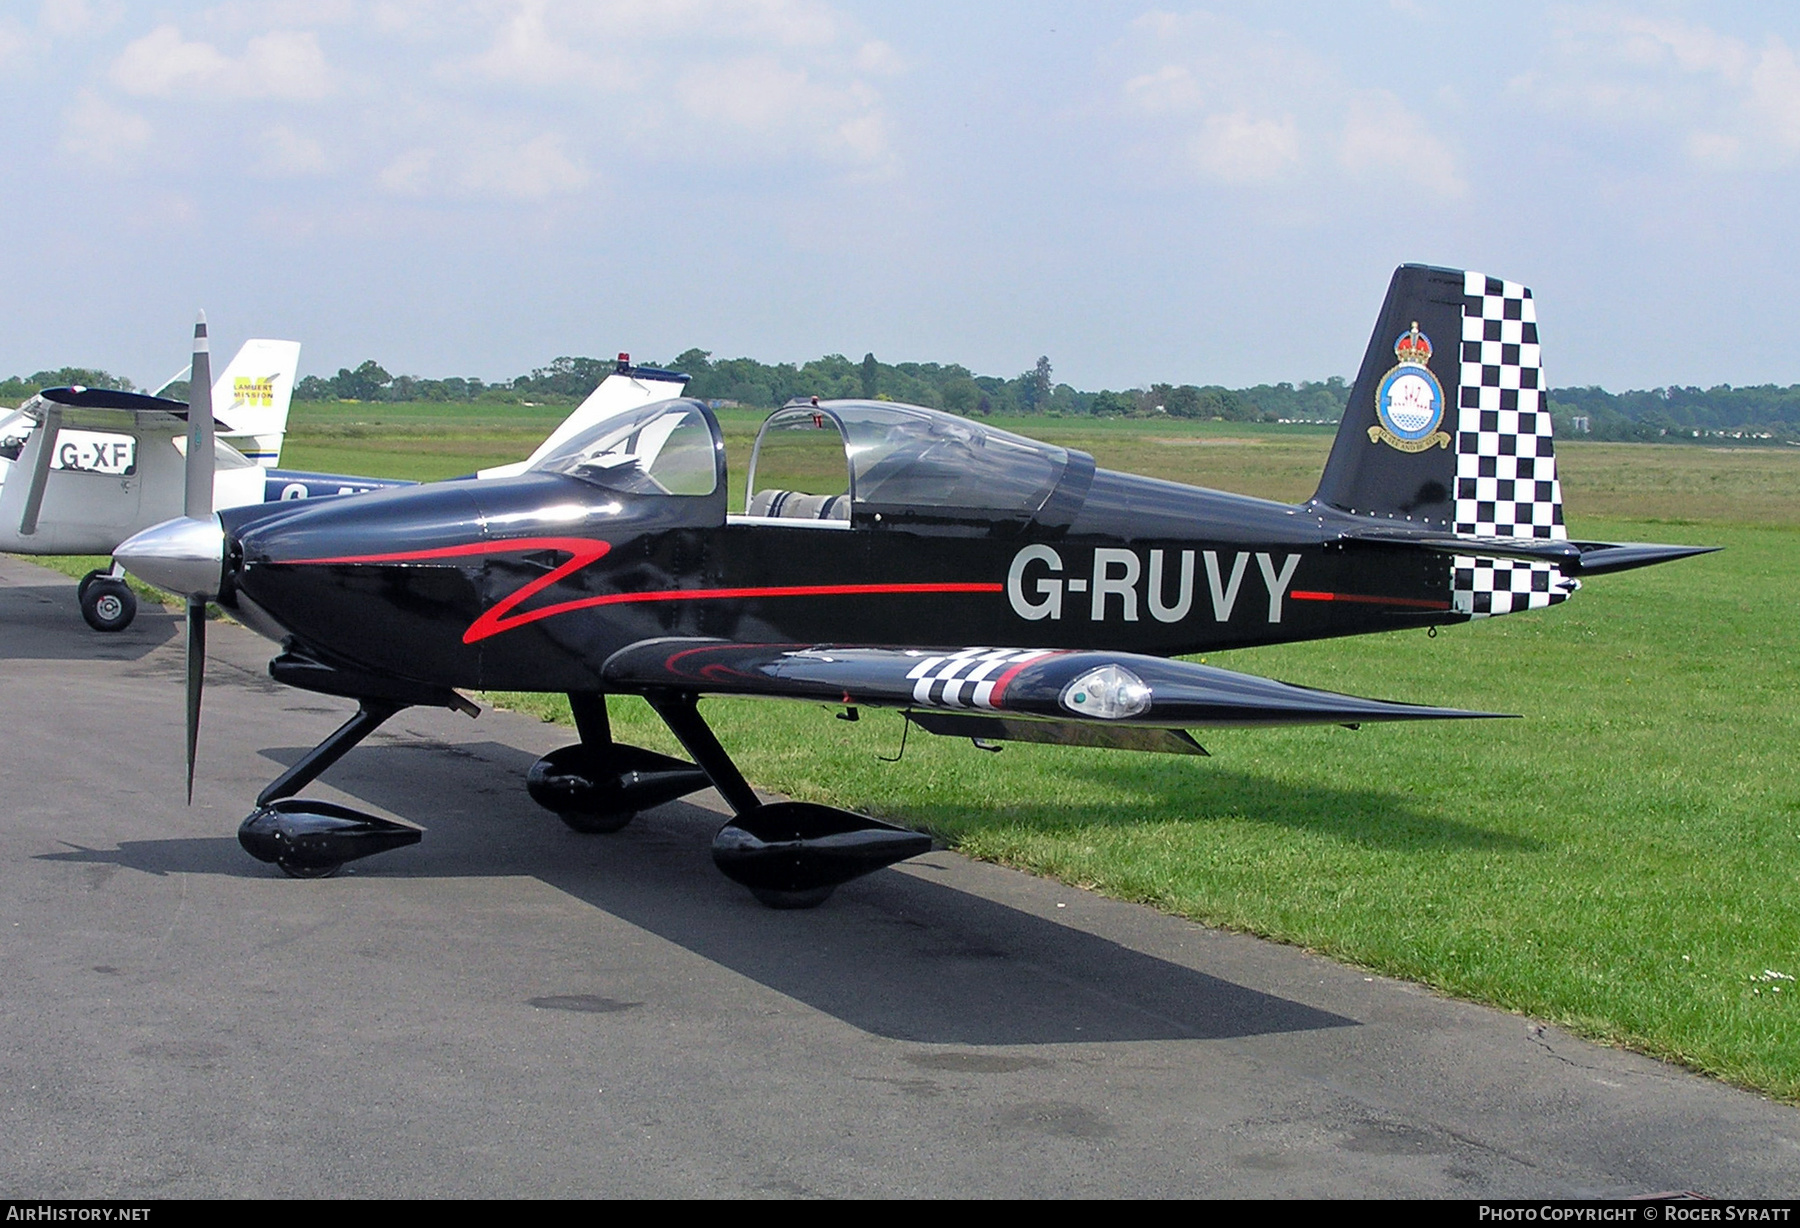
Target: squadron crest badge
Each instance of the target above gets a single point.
(1409, 401)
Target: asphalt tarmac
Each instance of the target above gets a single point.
(512, 1009)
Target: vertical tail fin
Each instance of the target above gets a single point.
(252, 397)
(1448, 428)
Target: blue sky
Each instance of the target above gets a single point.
(1207, 195)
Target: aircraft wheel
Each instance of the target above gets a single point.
(108, 604)
(310, 870)
(792, 899)
(597, 824)
(88, 580)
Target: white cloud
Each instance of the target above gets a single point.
(286, 154)
(789, 23)
(526, 51)
(737, 78)
(1242, 107)
(1722, 101)
(527, 100)
(532, 170)
(1775, 93)
(880, 58)
(72, 18)
(1383, 138)
(1240, 148)
(101, 134)
(409, 174)
(488, 164)
(761, 95)
(13, 42)
(161, 62)
(1170, 89)
(783, 110)
(282, 64)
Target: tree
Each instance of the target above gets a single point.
(1113, 404)
(363, 384)
(1037, 387)
(1183, 402)
(871, 376)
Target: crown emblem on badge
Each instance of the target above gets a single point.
(1414, 347)
(1409, 401)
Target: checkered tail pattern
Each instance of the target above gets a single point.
(1506, 483)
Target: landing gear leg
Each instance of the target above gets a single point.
(600, 785)
(789, 854)
(309, 839)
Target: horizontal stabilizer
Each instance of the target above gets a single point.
(1571, 557)
(1564, 554)
(1598, 558)
(1105, 688)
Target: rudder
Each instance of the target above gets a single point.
(1448, 428)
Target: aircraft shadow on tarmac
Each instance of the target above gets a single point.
(43, 623)
(894, 954)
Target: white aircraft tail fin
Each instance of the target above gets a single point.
(625, 387)
(252, 397)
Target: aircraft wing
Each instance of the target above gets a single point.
(106, 409)
(1102, 688)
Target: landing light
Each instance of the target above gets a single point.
(1110, 693)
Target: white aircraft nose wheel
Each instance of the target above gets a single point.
(108, 604)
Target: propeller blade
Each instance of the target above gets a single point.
(199, 501)
(200, 429)
(196, 681)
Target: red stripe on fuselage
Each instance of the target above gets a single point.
(1364, 599)
(584, 551)
(727, 594)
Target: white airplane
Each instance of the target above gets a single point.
(82, 469)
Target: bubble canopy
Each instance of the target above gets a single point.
(904, 457)
(893, 461)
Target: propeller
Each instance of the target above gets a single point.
(198, 506)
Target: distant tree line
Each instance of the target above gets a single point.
(957, 389)
(745, 381)
(1764, 413)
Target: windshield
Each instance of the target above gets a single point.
(666, 448)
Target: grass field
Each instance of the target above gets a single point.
(1624, 861)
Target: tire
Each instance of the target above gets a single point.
(87, 582)
(108, 604)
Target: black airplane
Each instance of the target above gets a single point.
(988, 585)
